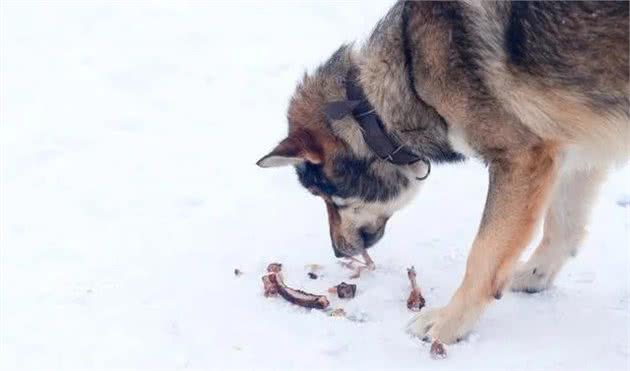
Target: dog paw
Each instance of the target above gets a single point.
(443, 324)
(531, 279)
(421, 323)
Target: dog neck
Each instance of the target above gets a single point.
(386, 75)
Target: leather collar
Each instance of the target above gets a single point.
(384, 145)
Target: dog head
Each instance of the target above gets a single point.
(360, 191)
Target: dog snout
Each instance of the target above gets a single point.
(338, 253)
(342, 249)
(371, 236)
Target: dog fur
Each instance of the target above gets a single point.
(539, 91)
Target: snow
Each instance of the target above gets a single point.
(624, 200)
(129, 194)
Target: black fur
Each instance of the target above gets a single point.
(515, 34)
(312, 177)
(355, 178)
(352, 177)
(411, 77)
(465, 48)
(540, 39)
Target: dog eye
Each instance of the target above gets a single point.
(340, 202)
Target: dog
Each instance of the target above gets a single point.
(538, 91)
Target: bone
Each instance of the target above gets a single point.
(368, 260)
(415, 302)
(357, 272)
(337, 312)
(298, 297)
(437, 350)
(270, 287)
(273, 284)
(346, 290)
(366, 264)
(274, 267)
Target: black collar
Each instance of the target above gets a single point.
(384, 145)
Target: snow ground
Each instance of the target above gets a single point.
(129, 133)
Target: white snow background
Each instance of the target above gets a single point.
(129, 194)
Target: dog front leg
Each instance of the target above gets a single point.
(519, 186)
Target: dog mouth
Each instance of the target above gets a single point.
(365, 239)
(343, 250)
(353, 253)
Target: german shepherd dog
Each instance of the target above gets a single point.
(538, 91)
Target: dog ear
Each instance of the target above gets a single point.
(295, 149)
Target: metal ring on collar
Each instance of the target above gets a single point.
(428, 169)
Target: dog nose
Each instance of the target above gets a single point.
(371, 237)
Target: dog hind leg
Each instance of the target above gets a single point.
(564, 229)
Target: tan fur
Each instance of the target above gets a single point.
(519, 187)
(563, 116)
